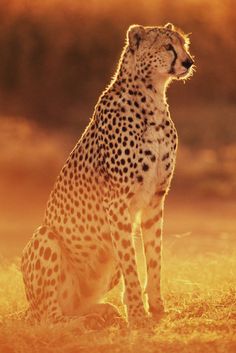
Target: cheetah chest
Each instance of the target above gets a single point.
(157, 166)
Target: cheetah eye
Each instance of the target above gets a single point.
(169, 47)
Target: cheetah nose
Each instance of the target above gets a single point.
(187, 63)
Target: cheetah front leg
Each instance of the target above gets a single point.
(152, 219)
(121, 233)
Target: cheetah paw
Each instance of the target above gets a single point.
(158, 314)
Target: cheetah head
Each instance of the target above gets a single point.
(160, 51)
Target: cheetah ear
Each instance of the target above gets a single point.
(169, 26)
(134, 36)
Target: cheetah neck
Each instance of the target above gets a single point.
(127, 80)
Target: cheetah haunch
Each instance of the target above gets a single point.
(122, 166)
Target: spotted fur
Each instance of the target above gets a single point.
(121, 166)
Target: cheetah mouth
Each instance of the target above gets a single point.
(180, 75)
(183, 74)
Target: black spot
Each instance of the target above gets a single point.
(140, 178)
(148, 153)
(153, 158)
(145, 167)
(165, 156)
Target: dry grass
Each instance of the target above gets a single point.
(200, 295)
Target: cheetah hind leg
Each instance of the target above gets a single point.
(42, 271)
(43, 276)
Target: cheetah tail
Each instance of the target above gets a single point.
(23, 316)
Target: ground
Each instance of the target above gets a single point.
(199, 287)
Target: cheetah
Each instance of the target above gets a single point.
(121, 167)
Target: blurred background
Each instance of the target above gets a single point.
(57, 56)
